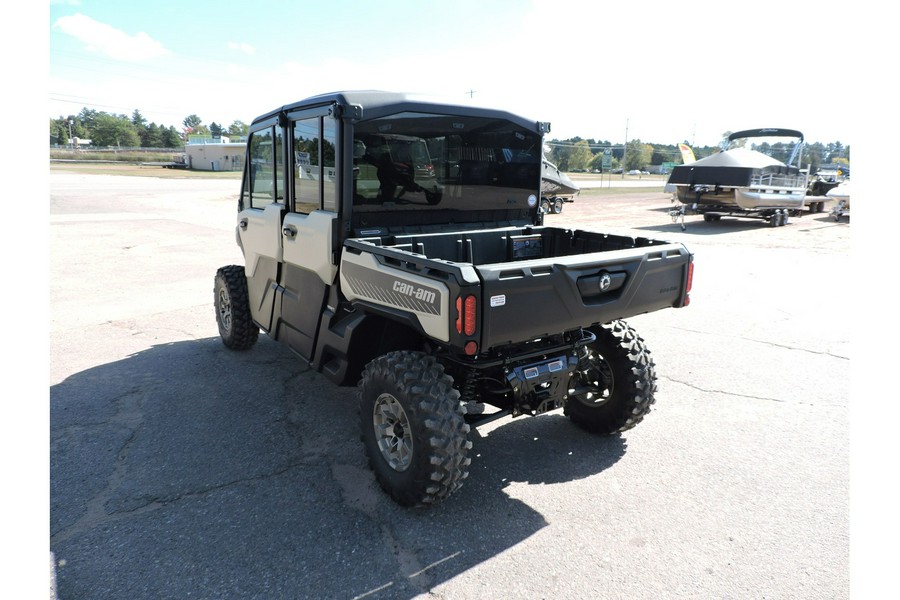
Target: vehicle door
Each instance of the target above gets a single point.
(308, 230)
(260, 217)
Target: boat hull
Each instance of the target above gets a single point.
(841, 192)
(741, 198)
(555, 183)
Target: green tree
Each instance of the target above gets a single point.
(171, 138)
(86, 118)
(637, 155)
(112, 130)
(580, 156)
(138, 120)
(836, 150)
(559, 154)
(814, 155)
(151, 137)
(192, 121)
(238, 128)
(59, 131)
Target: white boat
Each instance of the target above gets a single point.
(556, 188)
(746, 179)
(841, 193)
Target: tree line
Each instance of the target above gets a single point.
(578, 154)
(572, 155)
(121, 131)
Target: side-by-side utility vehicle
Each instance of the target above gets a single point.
(399, 243)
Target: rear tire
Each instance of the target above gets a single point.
(413, 428)
(232, 302)
(557, 206)
(621, 376)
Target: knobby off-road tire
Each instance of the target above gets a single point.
(232, 301)
(621, 376)
(413, 428)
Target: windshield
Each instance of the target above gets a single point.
(428, 163)
(785, 149)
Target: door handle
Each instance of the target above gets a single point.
(289, 232)
(243, 224)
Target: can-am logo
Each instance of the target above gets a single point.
(605, 282)
(414, 292)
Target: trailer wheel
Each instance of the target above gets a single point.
(232, 302)
(413, 428)
(545, 206)
(614, 386)
(557, 206)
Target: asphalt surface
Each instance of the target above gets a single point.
(179, 469)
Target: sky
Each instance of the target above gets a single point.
(661, 72)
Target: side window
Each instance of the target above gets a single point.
(329, 166)
(307, 171)
(279, 164)
(260, 184)
(265, 166)
(315, 164)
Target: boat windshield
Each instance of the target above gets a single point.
(785, 148)
(458, 166)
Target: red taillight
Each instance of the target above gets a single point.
(688, 284)
(469, 325)
(465, 315)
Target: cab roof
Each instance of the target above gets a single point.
(376, 103)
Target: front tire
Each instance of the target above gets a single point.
(615, 383)
(413, 428)
(232, 302)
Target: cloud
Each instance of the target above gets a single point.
(242, 47)
(105, 39)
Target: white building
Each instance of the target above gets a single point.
(219, 154)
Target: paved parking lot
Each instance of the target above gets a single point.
(180, 469)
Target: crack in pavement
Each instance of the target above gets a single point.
(97, 515)
(748, 396)
(766, 343)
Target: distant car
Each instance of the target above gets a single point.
(634, 172)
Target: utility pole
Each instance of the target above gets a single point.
(625, 150)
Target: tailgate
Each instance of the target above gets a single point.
(530, 299)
